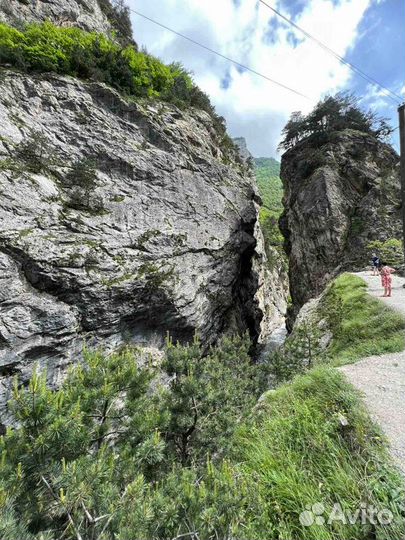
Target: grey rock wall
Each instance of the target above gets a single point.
(85, 14)
(338, 198)
(244, 151)
(165, 239)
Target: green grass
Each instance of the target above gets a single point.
(298, 453)
(366, 327)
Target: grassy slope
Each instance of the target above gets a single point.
(298, 448)
(298, 453)
(366, 327)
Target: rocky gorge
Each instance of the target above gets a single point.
(121, 221)
(150, 387)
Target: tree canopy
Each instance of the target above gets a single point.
(118, 14)
(333, 113)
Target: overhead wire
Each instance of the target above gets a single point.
(239, 64)
(387, 92)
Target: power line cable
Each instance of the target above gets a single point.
(354, 68)
(247, 68)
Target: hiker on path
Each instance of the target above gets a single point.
(375, 263)
(386, 278)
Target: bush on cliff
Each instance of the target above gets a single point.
(332, 114)
(88, 55)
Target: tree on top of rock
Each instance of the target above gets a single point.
(333, 113)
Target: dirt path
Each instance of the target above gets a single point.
(382, 378)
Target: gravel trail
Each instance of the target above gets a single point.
(381, 379)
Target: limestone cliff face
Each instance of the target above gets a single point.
(338, 198)
(85, 14)
(244, 151)
(119, 222)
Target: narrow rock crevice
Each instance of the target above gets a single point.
(246, 285)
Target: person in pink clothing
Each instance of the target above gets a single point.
(386, 278)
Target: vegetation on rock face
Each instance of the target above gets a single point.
(332, 114)
(88, 55)
(271, 192)
(117, 12)
(105, 458)
(271, 231)
(269, 183)
(391, 251)
(34, 153)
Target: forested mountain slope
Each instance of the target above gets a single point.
(269, 183)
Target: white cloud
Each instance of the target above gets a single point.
(254, 107)
(375, 97)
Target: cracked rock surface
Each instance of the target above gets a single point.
(338, 198)
(166, 239)
(85, 14)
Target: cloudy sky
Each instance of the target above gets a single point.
(368, 33)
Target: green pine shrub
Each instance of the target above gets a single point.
(103, 457)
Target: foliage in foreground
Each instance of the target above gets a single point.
(106, 458)
(105, 441)
(360, 325)
(89, 55)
